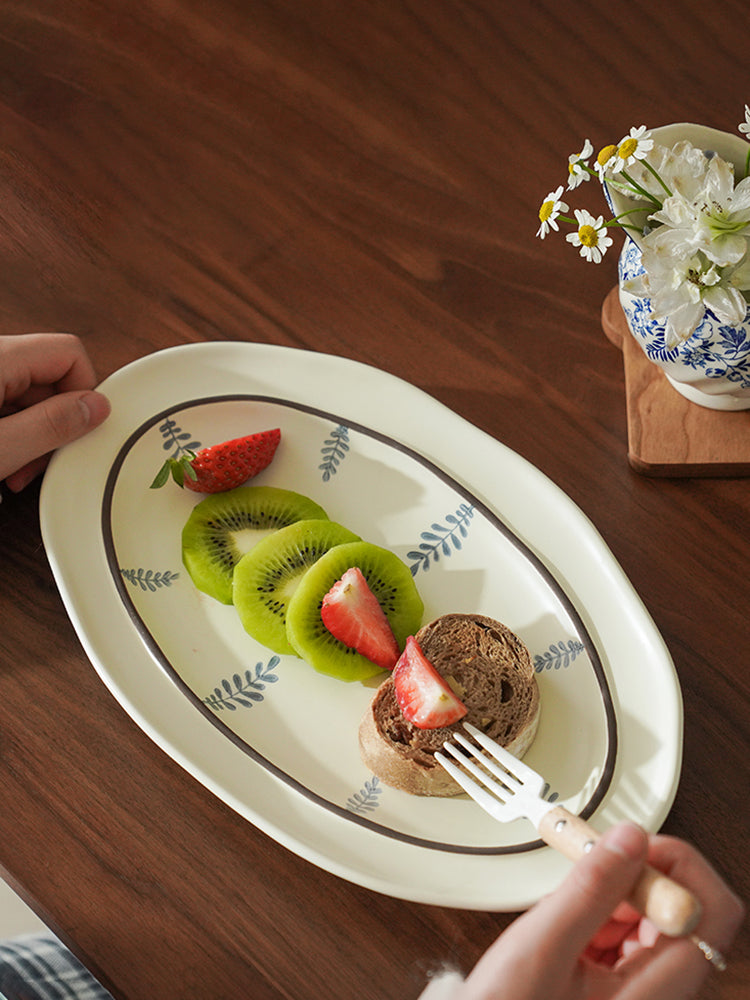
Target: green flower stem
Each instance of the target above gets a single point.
(630, 211)
(624, 225)
(641, 190)
(747, 163)
(656, 174)
(631, 189)
(609, 222)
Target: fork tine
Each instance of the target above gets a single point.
(508, 780)
(498, 787)
(517, 793)
(488, 802)
(522, 772)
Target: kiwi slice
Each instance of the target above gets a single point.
(388, 578)
(224, 526)
(266, 578)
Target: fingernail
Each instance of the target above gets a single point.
(95, 407)
(628, 840)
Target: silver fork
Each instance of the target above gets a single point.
(508, 789)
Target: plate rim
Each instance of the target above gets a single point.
(473, 897)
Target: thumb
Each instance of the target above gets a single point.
(29, 435)
(541, 948)
(597, 884)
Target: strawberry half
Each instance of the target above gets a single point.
(223, 466)
(353, 615)
(424, 698)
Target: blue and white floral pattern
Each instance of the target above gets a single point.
(714, 353)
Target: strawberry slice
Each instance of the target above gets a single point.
(222, 466)
(424, 698)
(353, 615)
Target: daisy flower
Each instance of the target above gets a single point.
(550, 209)
(633, 147)
(578, 164)
(591, 236)
(605, 159)
(745, 126)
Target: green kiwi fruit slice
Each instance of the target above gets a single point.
(224, 526)
(388, 578)
(266, 578)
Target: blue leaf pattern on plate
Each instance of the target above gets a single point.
(560, 654)
(441, 540)
(548, 795)
(147, 579)
(334, 451)
(366, 799)
(243, 690)
(175, 439)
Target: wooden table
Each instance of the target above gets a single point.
(358, 178)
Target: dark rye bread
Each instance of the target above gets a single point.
(490, 670)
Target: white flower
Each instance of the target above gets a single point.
(682, 169)
(693, 224)
(716, 221)
(578, 166)
(550, 208)
(633, 147)
(681, 289)
(591, 236)
(739, 275)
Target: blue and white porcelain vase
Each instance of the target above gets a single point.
(711, 367)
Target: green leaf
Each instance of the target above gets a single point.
(179, 468)
(161, 476)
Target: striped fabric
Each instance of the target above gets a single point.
(40, 967)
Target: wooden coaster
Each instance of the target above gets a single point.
(667, 434)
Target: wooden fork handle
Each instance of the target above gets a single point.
(668, 905)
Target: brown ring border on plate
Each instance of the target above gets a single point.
(153, 647)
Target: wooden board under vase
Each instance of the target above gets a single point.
(667, 434)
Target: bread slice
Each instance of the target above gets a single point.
(490, 670)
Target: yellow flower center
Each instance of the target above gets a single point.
(546, 210)
(626, 148)
(605, 155)
(588, 236)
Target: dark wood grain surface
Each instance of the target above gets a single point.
(362, 178)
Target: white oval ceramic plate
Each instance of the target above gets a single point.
(481, 530)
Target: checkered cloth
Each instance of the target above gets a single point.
(40, 967)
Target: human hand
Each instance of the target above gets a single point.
(45, 401)
(582, 942)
